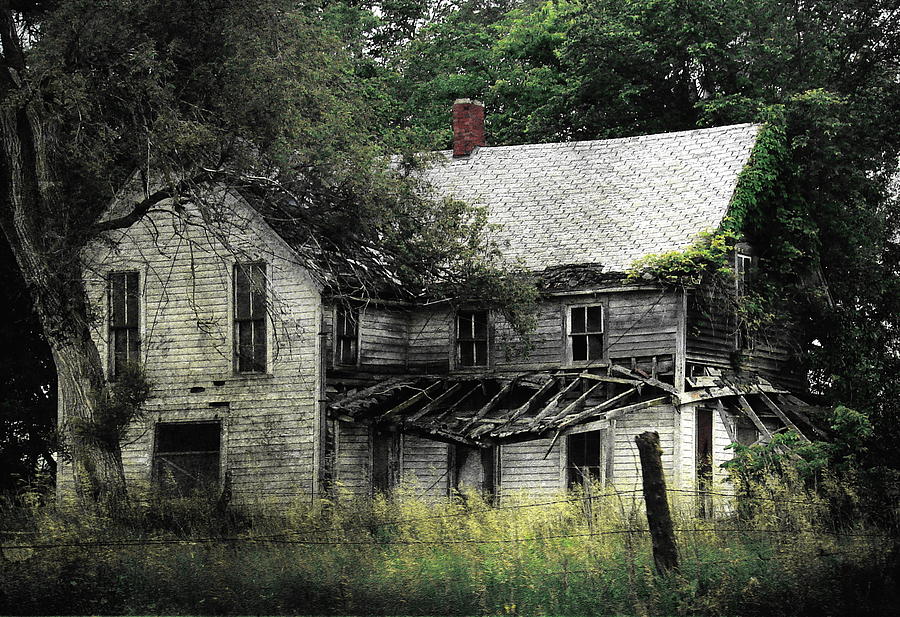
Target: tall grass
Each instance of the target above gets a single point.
(562, 555)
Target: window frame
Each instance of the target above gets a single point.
(183, 424)
(259, 328)
(743, 272)
(603, 458)
(570, 335)
(474, 340)
(132, 329)
(341, 312)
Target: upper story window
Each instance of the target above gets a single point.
(346, 336)
(586, 333)
(124, 320)
(743, 272)
(472, 338)
(250, 318)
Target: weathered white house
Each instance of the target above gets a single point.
(262, 379)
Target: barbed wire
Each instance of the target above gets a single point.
(400, 542)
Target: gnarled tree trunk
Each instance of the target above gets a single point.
(46, 239)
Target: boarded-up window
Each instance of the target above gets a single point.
(124, 320)
(472, 338)
(585, 457)
(250, 318)
(187, 455)
(586, 333)
(346, 337)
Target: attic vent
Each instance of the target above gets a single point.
(468, 126)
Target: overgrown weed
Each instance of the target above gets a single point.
(780, 551)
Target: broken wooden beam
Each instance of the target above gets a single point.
(748, 411)
(782, 416)
(597, 409)
(726, 421)
(650, 381)
(487, 407)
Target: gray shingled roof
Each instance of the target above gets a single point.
(607, 201)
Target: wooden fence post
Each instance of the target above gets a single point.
(665, 549)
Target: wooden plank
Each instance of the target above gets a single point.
(440, 399)
(621, 411)
(778, 412)
(596, 425)
(487, 407)
(523, 409)
(748, 410)
(610, 379)
(726, 421)
(796, 402)
(553, 403)
(647, 380)
(411, 400)
(579, 401)
(596, 409)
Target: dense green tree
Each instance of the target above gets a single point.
(826, 73)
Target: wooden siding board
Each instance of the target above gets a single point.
(186, 330)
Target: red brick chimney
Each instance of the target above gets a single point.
(468, 126)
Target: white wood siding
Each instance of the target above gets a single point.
(269, 421)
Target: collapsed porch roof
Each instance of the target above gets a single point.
(485, 409)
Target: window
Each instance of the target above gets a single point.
(585, 457)
(472, 338)
(124, 320)
(743, 271)
(586, 333)
(386, 448)
(346, 337)
(250, 318)
(474, 469)
(186, 458)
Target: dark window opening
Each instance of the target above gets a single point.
(586, 333)
(187, 457)
(704, 455)
(585, 458)
(250, 318)
(474, 469)
(346, 336)
(747, 433)
(124, 320)
(385, 460)
(472, 338)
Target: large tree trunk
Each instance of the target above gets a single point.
(46, 239)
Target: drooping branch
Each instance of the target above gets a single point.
(140, 209)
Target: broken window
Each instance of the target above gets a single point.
(586, 333)
(743, 271)
(474, 469)
(346, 336)
(250, 318)
(472, 338)
(187, 456)
(124, 320)
(585, 457)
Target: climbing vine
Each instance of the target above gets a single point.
(707, 264)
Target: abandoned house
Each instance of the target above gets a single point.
(264, 379)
